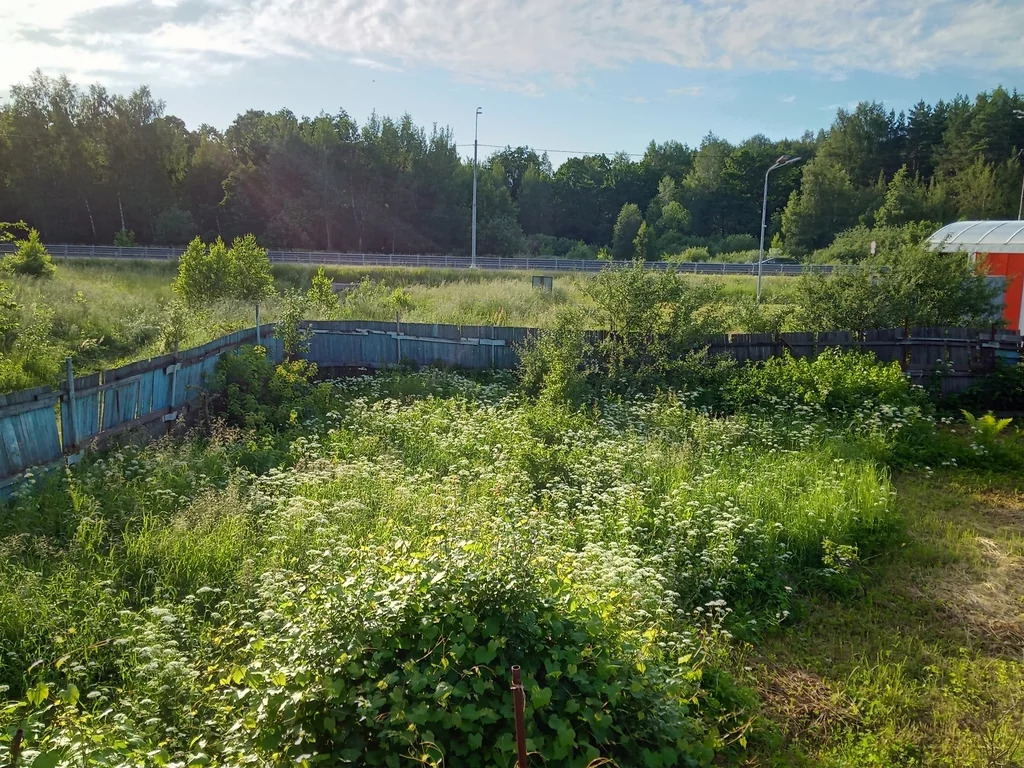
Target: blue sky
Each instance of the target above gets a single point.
(580, 75)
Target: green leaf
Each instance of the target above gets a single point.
(70, 694)
(37, 694)
(540, 697)
(46, 760)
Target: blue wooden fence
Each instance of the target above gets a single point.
(41, 426)
(374, 345)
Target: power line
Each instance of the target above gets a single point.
(15, 134)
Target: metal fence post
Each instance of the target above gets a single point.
(519, 703)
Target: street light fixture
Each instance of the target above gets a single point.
(476, 130)
(782, 162)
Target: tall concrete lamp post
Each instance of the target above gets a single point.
(1020, 209)
(782, 162)
(476, 131)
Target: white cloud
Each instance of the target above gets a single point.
(788, 99)
(635, 99)
(693, 90)
(362, 61)
(529, 45)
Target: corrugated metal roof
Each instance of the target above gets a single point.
(980, 237)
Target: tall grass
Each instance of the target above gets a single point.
(421, 527)
(103, 313)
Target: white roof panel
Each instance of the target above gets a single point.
(980, 237)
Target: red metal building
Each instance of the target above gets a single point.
(1000, 246)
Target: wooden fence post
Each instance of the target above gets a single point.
(171, 405)
(72, 421)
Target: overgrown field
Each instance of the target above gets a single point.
(103, 313)
(343, 573)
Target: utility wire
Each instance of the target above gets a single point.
(557, 151)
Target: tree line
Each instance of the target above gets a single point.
(87, 165)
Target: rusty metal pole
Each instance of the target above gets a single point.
(519, 700)
(16, 747)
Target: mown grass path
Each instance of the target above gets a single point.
(927, 666)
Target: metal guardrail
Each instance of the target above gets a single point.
(435, 261)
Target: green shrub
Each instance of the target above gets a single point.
(582, 251)
(124, 238)
(419, 665)
(376, 300)
(549, 245)
(652, 316)
(177, 320)
(35, 356)
(294, 338)
(854, 245)
(257, 394)
(912, 286)
(836, 380)
(668, 243)
(251, 279)
(321, 295)
(737, 257)
(1002, 390)
(553, 364)
(10, 318)
(733, 243)
(204, 272)
(30, 258)
(696, 254)
(753, 317)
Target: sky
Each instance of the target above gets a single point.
(577, 75)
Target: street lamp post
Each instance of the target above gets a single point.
(780, 163)
(476, 130)
(1020, 209)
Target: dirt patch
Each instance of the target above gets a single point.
(988, 600)
(802, 702)
(1006, 519)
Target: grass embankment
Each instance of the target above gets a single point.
(924, 665)
(104, 313)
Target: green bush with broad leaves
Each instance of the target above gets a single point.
(258, 394)
(909, 286)
(204, 272)
(835, 380)
(417, 670)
